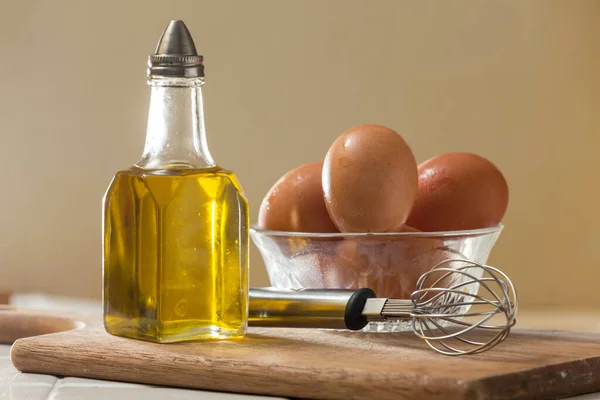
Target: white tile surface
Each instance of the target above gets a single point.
(81, 382)
(17, 392)
(34, 379)
(146, 393)
(4, 350)
(7, 372)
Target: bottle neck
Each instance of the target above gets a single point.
(175, 137)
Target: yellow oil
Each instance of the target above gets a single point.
(175, 255)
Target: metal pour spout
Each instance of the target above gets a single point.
(176, 54)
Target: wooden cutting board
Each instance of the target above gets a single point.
(303, 363)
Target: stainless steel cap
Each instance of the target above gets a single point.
(176, 55)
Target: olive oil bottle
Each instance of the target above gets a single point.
(175, 228)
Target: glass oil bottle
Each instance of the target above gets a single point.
(175, 228)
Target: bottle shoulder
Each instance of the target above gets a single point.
(212, 173)
(178, 171)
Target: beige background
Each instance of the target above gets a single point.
(515, 81)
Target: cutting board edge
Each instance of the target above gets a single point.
(474, 388)
(26, 359)
(548, 373)
(486, 388)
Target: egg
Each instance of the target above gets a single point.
(296, 203)
(369, 180)
(390, 266)
(459, 191)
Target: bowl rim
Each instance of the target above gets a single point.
(254, 228)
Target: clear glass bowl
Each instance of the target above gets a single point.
(388, 263)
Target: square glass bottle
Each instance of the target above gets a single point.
(175, 224)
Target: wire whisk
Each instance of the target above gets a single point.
(458, 307)
(453, 307)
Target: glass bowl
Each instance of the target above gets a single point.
(388, 263)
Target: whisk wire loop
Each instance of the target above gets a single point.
(442, 312)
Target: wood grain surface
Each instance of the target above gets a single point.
(4, 298)
(304, 363)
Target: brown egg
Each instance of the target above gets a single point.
(295, 203)
(390, 267)
(459, 191)
(369, 180)
(407, 228)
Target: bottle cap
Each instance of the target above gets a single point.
(176, 55)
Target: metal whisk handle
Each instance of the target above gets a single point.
(312, 308)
